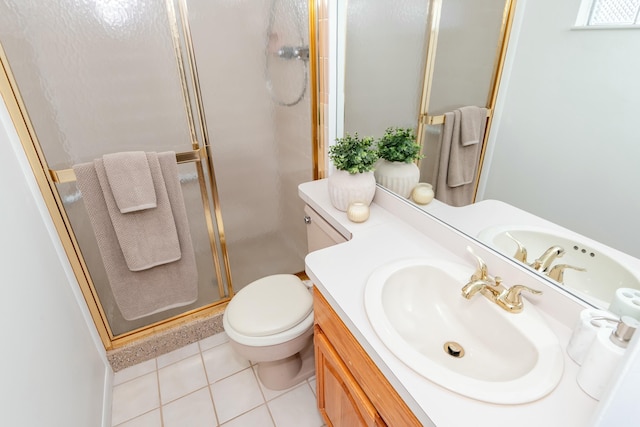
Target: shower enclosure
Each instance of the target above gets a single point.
(224, 84)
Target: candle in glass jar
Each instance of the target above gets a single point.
(358, 212)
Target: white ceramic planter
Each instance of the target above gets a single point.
(398, 177)
(346, 188)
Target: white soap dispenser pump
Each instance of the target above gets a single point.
(604, 356)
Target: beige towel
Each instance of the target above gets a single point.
(148, 238)
(472, 123)
(146, 292)
(468, 125)
(457, 164)
(130, 180)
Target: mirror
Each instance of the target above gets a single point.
(563, 142)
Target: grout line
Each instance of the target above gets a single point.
(206, 377)
(312, 389)
(264, 397)
(252, 366)
(159, 394)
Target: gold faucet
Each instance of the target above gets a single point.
(543, 263)
(481, 282)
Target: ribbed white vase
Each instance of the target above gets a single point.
(346, 188)
(398, 177)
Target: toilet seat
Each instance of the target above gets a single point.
(269, 311)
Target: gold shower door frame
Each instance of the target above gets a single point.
(47, 179)
(424, 118)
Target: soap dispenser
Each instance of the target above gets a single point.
(604, 356)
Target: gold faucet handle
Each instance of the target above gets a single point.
(482, 271)
(521, 252)
(513, 295)
(557, 271)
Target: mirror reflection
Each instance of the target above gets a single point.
(561, 151)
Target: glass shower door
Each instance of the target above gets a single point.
(252, 61)
(101, 77)
(106, 76)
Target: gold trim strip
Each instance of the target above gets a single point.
(424, 119)
(439, 120)
(217, 213)
(505, 31)
(170, 323)
(318, 142)
(433, 22)
(175, 37)
(68, 175)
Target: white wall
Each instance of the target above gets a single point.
(53, 368)
(565, 140)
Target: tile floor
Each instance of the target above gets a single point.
(207, 384)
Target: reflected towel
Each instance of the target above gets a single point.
(148, 238)
(130, 180)
(142, 293)
(468, 125)
(472, 124)
(456, 164)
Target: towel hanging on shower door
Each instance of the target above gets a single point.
(156, 289)
(460, 147)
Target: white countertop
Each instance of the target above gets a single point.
(340, 273)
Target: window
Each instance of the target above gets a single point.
(610, 13)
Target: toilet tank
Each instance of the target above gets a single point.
(320, 234)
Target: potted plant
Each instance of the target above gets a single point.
(354, 158)
(396, 169)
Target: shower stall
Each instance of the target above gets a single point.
(225, 84)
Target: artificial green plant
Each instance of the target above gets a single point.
(399, 145)
(353, 154)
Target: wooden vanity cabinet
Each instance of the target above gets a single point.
(351, 390)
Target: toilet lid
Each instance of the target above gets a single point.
(269, 305)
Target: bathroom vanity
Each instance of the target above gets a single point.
(351, 390)
(361, 381)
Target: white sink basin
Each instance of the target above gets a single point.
(603, 274)
(416, 307)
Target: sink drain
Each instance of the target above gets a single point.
(454, 349)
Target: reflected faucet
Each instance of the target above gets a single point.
(557, 272)
(543, 263)
(481, 282)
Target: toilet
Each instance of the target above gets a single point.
(270, 321)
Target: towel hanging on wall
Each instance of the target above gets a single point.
(142, 293)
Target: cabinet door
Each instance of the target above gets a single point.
(341, 401)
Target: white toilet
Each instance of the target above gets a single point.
(270, 321)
